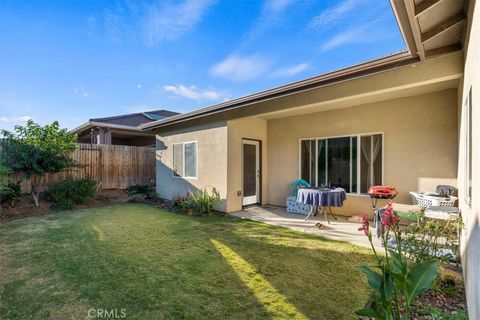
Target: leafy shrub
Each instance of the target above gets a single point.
(178, 200)
(202, 201)
(70, 192)
(432, 239)
(3, 170)
(35, 150)
(395, 280)
(436, 313)
(9, 192)
(131, 190)
(196, 202)
(147, 191)
(183, 203)
(65, 204)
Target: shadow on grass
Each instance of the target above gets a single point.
(160, 265)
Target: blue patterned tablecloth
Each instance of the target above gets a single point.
(319, 197)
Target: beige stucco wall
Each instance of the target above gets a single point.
(470, 247)
(219, 159)
(420, 144)
(212, 161)
(246, 128)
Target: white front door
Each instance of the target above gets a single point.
(251, 171)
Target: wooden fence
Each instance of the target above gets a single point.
(116, 167)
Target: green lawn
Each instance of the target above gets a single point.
(158, 265)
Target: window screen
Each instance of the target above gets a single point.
(371, 161)
(191, 159)
(308, 153)
(178, 160)
(335, 162)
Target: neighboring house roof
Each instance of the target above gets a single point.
(425, 36)
(136, 119)
(126, 121)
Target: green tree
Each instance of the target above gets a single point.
(3, 172)
(35, 150)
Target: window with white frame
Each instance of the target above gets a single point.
(468, 149)
(185, 159)
(352, 162)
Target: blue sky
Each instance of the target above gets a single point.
(75, 60)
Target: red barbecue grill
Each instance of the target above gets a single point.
(381, 192)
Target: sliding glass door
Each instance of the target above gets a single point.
(343, 162)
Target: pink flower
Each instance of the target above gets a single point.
(389, 217)
(365, 225)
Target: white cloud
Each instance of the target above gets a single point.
(192, 92)
(151, 21)
(23, 118)
(139, 86)
(240, 68)
(169, 21)
(276, 6)
(81, 91)
(16, 120)
(270, 16)
(334, 13)
(368, 32)
(113, 24)
(119, 21)
(350, 36)
(291, 71)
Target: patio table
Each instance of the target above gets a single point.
(323, 198)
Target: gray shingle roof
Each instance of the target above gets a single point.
(136, 119)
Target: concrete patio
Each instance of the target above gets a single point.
(340, 229)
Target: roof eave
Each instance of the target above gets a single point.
(404, 22)
(356, 71)
(81, 127)
(91, 124)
